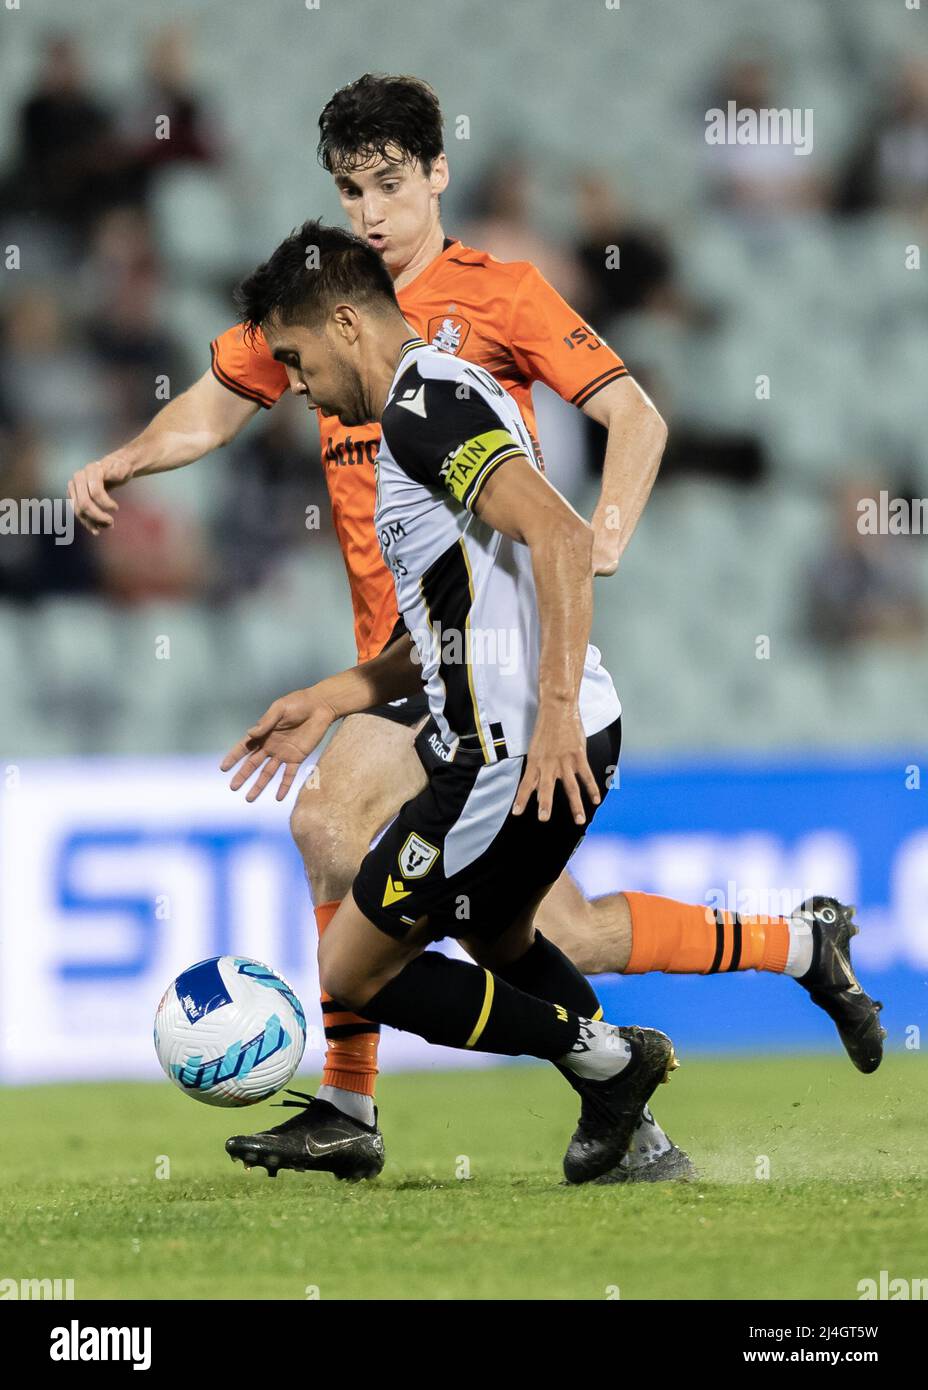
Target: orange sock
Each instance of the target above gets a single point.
(351, 1054)
(691, 939)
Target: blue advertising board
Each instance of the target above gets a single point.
(115, 875)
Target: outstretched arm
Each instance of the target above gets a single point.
(293, 726)
(204, 418)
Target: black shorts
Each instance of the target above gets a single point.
(409, 711)
(454, 853)
(432, 751)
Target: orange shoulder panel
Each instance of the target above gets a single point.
(551, 343)
(247, 367)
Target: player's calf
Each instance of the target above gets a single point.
(812, 945)
(339, 811)
(614, 1070)
(543, 969)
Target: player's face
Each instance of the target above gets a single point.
(320, 369)
(393, 205)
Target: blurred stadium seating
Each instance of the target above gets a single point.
(772, 668)
(819, 303)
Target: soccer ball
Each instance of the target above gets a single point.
(229, 1031)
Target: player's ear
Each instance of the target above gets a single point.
(440, 176)
(346, 323)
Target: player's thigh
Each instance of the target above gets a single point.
(367, 771)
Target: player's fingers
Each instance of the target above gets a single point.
(96, 487)
(546, 785)
(286, 782)
(86, 506)
(259, 732)
(84, 501)
(234, 756)
(78, 505)
(526, 787)
(575, 800)
(247, 770)
(72, 498)
(269, 771)
(585, 773)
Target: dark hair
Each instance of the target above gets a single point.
(309, 272)
(363, 120)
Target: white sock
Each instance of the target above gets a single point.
(599, 1052)
(799, 959)
(648, 1142)
(349, 1102)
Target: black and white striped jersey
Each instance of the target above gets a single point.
(466, 592)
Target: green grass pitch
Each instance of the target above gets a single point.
(80, 1197)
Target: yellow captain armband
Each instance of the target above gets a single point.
(466, 469)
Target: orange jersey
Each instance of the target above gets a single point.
(505, 317)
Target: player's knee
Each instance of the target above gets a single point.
(326, 839)
(341, 978)
(340, 986)
(307, 822)
(578, 935)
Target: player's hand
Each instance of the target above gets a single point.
(605, 551)
(90, 488)
(557, 753)
(283, 737)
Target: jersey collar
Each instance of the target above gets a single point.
(451, 243)
(410, 345)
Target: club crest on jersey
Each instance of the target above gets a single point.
(448, 332)
(416, 857)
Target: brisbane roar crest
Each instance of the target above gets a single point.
(448, 332)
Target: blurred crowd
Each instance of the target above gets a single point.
(85, 345)
(82, 347)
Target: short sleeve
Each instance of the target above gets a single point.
(445, 440)
(247, 367)
(551, 343)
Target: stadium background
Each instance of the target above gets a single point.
(790, 767)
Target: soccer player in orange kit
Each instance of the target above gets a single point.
(382, 141)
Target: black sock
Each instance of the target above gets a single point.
(547, 973)
(460, 1005)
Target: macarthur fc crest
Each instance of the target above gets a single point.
(416, 857)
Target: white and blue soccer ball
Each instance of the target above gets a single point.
(230, 1031)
